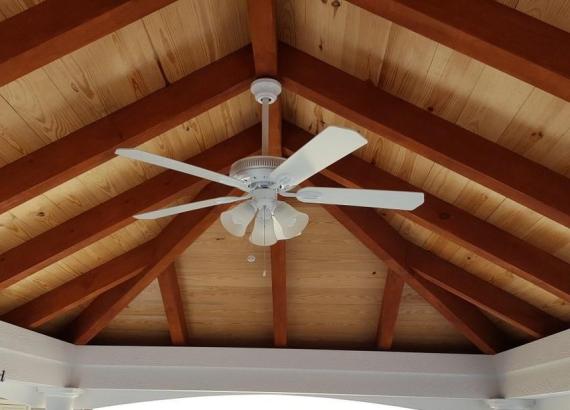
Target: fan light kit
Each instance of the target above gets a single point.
(264, 178)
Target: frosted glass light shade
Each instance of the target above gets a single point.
(237, 219)
(289, 222)
(263, 233)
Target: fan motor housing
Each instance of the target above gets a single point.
(255, 170)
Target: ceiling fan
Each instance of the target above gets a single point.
(264, 178)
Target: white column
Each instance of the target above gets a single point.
(511, 404)
(59, 398)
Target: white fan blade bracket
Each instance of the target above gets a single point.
(181, 167)
(402, 200)
(161, 213)
(323, 150)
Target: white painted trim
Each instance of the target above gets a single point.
(539, 369)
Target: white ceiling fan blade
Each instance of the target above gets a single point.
(181, 167)
(161, 213)
(372, 198)
(323, 150)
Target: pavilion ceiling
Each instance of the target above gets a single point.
(481, 124)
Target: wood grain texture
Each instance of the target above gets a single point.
(131, 126)
(279, 290)
(490, 32)
(80, 290)
(381, 239)
(334, 286)
(173, 307)
(389, 311)
(142, 322)
(466, 153)
(514, 254)
(59, 27)
(496, 301)
(117, 212)
(263, 32)
(175, 238)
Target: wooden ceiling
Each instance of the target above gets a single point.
(474, 113)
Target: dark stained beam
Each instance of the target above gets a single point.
(263, 32)
(81, 289)
(108, 217)
(171, 242)
(173, 306)
(55, 28)
(376, 234)
(499, 36)
(518, 313)
(505, 250)
(130, 126)
(389, 312)
(457, 149)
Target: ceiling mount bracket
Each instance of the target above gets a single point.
(265, 90)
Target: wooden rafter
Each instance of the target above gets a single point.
(117, 212)
(458, 149)
(482, 294)
(506, 250)
(379, 237)
(389, 310)
(80, 290)
(130, 126)
(172, 241)
(173, 306)
(55, 28)
(263, 31)
(489, 32)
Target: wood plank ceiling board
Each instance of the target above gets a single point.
(555, 13)
(334, 286)
(439, 181)
(55, 327)
(142, 322)
(432, 76)
(189, 34)
(9, 8)
(422, 328)
(80, 262)
(85, 85)
(480, 267)
(118, 175)
(227, 299)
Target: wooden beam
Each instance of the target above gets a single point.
(108, 217)
(389, 311)
(55, 28)
(506, 250)
(173, 307)
(130, 126)
(457, 149)
(172, 241)
(484, 295)
(279, 292)
(499, 36)
(263, 32)
(97, 281)
(376, 234)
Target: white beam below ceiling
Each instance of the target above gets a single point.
(539, 369)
